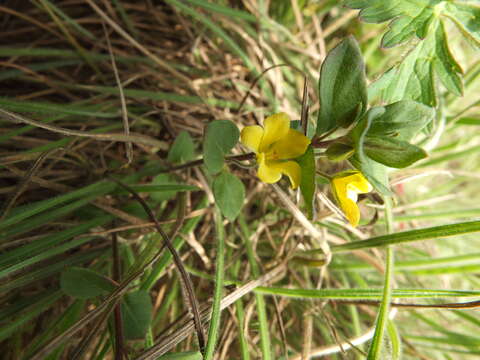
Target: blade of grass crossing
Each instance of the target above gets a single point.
(218, 292)
(375, 350)
(265, 342)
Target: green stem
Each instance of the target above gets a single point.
(218, 292)
(375, 350)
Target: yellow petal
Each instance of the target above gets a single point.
(276, 127)
(352, 180)
(351, 211)
(251, 136)
(290, 147)
(359, 184)
(265, 172)
(345, 187)
(289, 168)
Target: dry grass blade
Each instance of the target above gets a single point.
(134, 138)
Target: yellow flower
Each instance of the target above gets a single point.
(275, 144)
(346, 186)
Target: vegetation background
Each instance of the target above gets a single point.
(120, 90)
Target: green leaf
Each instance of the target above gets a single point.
(339, 152)
(83, 283)
(136, 314)
(414, 77)
(229, 194)
(342, 87)
(424, 19)
(409, 17)
(403, 119)
(466, 17)
(182, 149)
(358, 133)
(445, 65)
(307, 181)
(392, 152)
(220, 137)
(405, 27)
(375, 173)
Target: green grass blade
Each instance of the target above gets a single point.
(430, 233)
(364, 294)
(58, 266)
